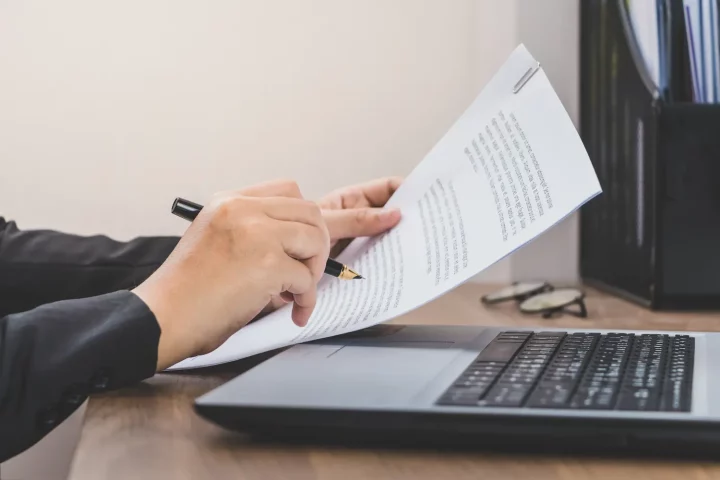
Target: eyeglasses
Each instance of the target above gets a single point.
(542, 298)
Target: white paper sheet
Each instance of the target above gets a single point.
(512, 166)
(644, 18)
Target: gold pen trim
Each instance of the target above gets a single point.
(349, 274)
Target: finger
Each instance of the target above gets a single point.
(304, 306)
(301, 241)
(375, 193)
(301, 284)
(378, 192)
(275, 188)
(293, 210)
(296, 277)
(360, 222)
(317, 263)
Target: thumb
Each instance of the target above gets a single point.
(360, 222)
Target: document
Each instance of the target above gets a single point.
(511, 167)
(645, 24)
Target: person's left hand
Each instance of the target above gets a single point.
(354, 211)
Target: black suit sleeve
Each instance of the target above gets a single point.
(43, 266)
(68, 325)
(53, 356)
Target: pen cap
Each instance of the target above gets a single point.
(185, 209)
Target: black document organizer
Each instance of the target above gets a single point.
(653, 235)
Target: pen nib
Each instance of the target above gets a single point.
(349, 274)
(359, 277)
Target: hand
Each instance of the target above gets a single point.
(242, 250)
(355, 211)
(351, 212)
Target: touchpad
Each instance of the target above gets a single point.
(386, 375)
(358, 375)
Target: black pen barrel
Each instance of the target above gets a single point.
(333, 267)
(186, 209)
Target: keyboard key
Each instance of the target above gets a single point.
(550, 395)
(549, 334)
(594, 397)
(638, 399)
(460, 398)
(506, 395)
(499, 352)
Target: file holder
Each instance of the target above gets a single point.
(653, 235)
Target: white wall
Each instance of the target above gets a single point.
(550, 29)
(115, 108)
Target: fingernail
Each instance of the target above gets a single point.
(390, 213)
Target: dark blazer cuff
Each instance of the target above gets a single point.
(53, 357)
(129, 341)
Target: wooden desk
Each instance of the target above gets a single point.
(150, 431)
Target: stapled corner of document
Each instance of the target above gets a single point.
(526, 77)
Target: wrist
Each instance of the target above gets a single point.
(170, 347)
(195, 317)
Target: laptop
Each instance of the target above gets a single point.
(556, 389)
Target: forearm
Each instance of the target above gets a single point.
(53, 357)
(43, 266)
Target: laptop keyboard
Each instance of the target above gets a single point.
(615, 371)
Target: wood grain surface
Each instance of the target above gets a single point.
(150, 431)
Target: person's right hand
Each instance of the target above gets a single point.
(242, 249)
